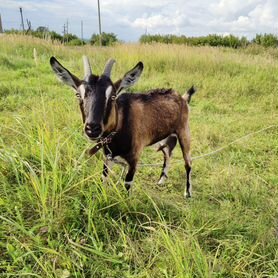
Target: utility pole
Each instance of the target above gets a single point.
(82, 31)
(64, 33)
(99, 23)
(67, 30)
(22, 22)
(29, 25)
(1, 26)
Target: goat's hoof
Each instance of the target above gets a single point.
(128, 187)
(162, 180)
(187, 195)
(129, 192)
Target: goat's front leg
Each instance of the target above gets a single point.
(130, 175)
(107, 166)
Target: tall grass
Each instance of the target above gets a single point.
(57, 220)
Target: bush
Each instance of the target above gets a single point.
(76, 42)
(106, 39)
(266, 40)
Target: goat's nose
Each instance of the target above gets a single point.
(93, 130)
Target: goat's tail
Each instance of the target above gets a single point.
(187, 96)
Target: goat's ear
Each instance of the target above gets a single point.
(64, 75)
(130, 78)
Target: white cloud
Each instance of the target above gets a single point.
(159, 21)
(265, 14)
(230, 9)
(248, 18)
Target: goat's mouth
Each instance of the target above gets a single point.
(93, 138)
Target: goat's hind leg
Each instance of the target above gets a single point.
(184, 140)
(167, 149)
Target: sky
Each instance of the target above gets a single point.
(130, 19)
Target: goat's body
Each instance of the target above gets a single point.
(145, 119)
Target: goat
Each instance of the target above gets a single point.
(124, 123)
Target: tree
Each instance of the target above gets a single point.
(106, 39)
(266, 40)
(42, 29)
(76, 42)
(69, 37)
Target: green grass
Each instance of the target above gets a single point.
(56, 218)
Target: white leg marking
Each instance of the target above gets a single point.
(162, 180)
(128, 184)
(104, 179)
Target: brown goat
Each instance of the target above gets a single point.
(124, 124)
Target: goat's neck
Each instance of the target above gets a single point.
(118, 121)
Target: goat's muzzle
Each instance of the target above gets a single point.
(93, 130)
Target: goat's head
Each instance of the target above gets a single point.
(97, 94)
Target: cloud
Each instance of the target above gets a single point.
(159, 21)
(248, 18)
(232, 9)
(265, 14)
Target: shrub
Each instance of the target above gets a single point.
(266, 40)
(106, 39)
(76, 42)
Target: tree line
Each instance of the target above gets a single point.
(266, 40)
(69, 39)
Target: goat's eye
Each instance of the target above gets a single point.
(78, 95)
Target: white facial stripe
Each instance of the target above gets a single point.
(82, 91)
(108, 93)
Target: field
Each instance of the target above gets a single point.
(56, 218)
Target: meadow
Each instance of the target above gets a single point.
(56, 218)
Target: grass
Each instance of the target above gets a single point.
(57, 220)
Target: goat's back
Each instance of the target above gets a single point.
(152, 116)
